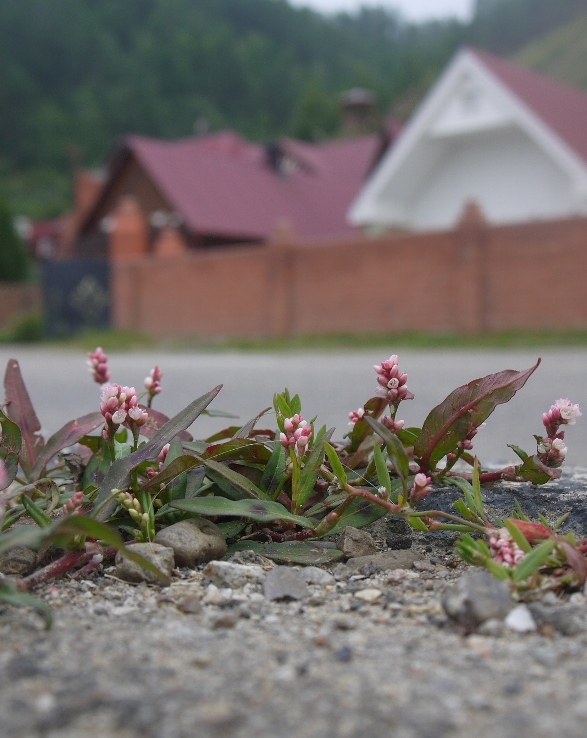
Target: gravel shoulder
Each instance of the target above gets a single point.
(364, 651)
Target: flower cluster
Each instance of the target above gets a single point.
(120, 405)
(563, 412)
(504, 549)
(391, 382)
(297, 434)
(420, 488)
(73, 505)
(552, 449)
(151, 472)
(153, 382)
(393, 424)
(355, 416)
(98, 366)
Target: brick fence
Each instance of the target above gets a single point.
(475, 278)
(18, 300)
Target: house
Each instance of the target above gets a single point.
(491, 133)
(219, 189)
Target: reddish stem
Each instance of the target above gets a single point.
(62, 565)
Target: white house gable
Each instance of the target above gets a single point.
(472, 139)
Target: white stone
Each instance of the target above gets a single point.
(520, 619)
(368, 595)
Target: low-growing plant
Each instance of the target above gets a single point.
(121, 473)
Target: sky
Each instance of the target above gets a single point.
(413, 10)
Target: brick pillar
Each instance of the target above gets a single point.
(470, 270)
(169, 243)
(280, 276)
(129, 237)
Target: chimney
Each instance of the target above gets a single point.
(359, 112)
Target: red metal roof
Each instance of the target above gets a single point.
(224, 185)
(562, 108)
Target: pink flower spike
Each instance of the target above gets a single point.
(98, 365)
(153, 381)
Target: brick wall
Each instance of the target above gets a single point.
(474, 278)
(17, 301)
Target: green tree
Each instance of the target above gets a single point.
(14, 264)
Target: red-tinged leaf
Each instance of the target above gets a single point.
(10, 445)
(463, 411)
(239, 449)
(223, 434)
(532, 531)
(19, 409)
(117, 475)
(157, 420)
(247, 429)
(71, 433)
(577, 561)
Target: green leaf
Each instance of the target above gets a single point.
(534, 560)
(358, 514)
(118, 473)
(232, 528)
(10, 595)
(517, 535)
(238, 482)
(395, 451)
(373, 408)
(534, 471)
(239, 449)
(463, 411)
(71, 433)
(416, 523)
(171, 471)
(247, 428)
(122, 450)
(263, 511)
(35, 512)
(336, 464)
(382, 471)
(274, 470)
(518, 451)
(310, 471)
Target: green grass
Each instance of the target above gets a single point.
(118, 341)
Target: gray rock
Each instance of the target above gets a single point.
(314, 575)
(227, 574)
(283, 583)
(385, 561)
(193, 542)
(18, 561)
(568, 619)
(354, 543)
(477, 597)
(159, 556)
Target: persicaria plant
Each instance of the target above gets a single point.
(122, 473)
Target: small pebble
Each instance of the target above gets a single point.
(368, 595)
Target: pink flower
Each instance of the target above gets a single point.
(392, 424)
(74, 503)
(296, 435)
(98, 365)
(356, 415)
(391, 382)
(153, 381)
(420, 488)
(120, 405)
(504, 549)
(563, 412)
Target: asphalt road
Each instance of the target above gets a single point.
(330, 384)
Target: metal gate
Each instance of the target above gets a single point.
(76, 295)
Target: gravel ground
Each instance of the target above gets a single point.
(362, 653)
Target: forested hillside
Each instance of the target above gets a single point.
(77, 74)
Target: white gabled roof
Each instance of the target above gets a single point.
(479, 92)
